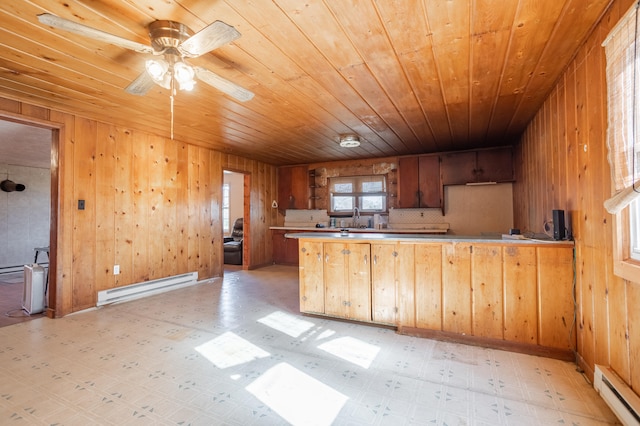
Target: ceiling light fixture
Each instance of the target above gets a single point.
(169, 71)
(163, 72)
(349, 141)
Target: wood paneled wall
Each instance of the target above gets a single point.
(152, 206)
(562, 164)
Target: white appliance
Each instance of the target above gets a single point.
(33, 292)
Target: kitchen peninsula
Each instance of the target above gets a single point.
(514, 294)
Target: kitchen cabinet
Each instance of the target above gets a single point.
(490, 165)
(419, 182)
(514, 294)
(285, 250)
(311, 274)
(293, 188)
(347, 280)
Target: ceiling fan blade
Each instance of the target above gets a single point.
(141, 85)
(83, 30)
(223, 84)
(210, 37)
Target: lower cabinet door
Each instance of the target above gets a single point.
(383, 283)
(311, 277)
(347, 278)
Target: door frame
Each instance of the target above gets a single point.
(54, 260)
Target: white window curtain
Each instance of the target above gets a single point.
(623, 103)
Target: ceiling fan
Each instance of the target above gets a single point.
(171, 44)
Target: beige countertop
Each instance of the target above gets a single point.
(373, 235)
(362, 230)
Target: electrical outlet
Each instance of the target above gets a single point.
(116, 269)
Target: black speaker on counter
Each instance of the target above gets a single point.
(558, 225)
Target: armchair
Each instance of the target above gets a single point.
(233, 244)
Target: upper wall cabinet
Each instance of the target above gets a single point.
(419, 181)
(490, 165)
(293, 187)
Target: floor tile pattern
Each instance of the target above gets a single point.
(11, 291)
(236, 351)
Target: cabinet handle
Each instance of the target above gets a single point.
(319, 258)
(375, 259)
(365, 259)
(395, 254)
(326, 258)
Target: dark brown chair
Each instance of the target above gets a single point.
(233, 244)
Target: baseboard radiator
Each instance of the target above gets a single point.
(146, 288)
(618, 395)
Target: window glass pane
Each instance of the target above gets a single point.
(343, 187)
(369, 186)
(342, 203)
(373, 202)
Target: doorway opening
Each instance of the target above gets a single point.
(235, 219)
(28, 203)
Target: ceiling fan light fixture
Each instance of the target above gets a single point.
(184, 75)
(157, 68)
(349, 141)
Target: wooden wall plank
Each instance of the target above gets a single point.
(407, 280)
(181, 232)
(140, 236)
(383, 283)
(170, 208)
(556, 312)
(205, 219)
(456, 292)
(84, 225)
(633, 301)
(585, 181)
(155, 214)
(601, 190)
(105, 207)
(428, 285)
(520, 289)
(124, 204)
(487, 292)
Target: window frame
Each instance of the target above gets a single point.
(358, 194)
(624, 266)
(226, 223)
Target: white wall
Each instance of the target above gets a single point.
(476, 210)
(24, 216)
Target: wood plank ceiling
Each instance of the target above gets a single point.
(407, 76)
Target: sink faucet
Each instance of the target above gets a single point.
(356, 216)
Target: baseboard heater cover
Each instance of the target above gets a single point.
(146, 288)
(622, 400)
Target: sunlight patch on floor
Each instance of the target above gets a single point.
(298, 398)
(353, 350)
(286, 323)
(228, 350)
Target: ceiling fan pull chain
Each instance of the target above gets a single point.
(171, 97)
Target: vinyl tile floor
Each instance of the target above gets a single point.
(236, 351)
(11, 292)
